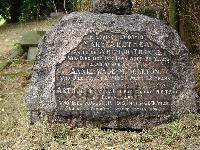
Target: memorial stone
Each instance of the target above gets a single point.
(105, 70)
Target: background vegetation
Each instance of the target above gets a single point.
(182, 15)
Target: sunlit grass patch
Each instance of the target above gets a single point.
(2, 20)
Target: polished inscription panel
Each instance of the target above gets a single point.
(114, 74)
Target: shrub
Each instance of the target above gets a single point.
(36, 9)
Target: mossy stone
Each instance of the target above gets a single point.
(32, 52)
(31, 38)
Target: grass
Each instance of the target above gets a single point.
(2, 21)
(11, 33)
(17, 133)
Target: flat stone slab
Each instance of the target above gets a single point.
(31, 38)
(112, 71)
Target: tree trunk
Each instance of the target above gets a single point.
(173, 14)
(185, 24)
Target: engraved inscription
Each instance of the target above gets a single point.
(115, 74)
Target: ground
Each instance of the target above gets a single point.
(10, 33)
(17, 133)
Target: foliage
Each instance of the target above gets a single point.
(10, 10)
(35, 9)
(83, 5)
(183, 15)
(2, 20)
(13, 10)
(194, 9)
(152, 11)
(5, 9)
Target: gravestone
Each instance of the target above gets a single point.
(105, 70)
(32, 52)
(31, 38)
(29, 42)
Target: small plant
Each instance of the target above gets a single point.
(2, 20)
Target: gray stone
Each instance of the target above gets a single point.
(31, 38)
(32, 52)
(111, 71)
(193, 146)
(119, 7)
(56, 14)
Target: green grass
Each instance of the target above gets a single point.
(11, 33)
(16, 132)
(2, 21)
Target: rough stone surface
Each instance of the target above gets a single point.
(112, 71)
(119, 7)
